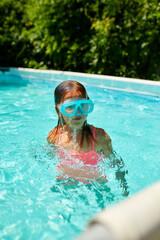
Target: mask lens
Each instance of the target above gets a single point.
(86, 107)
(70, 109)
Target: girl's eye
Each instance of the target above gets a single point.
(85, 106)
(70, 108)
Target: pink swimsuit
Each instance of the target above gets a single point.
(84, 160)
(89, 158)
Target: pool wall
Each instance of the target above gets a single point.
(103, 81)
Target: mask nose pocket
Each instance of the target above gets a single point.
(79, 111)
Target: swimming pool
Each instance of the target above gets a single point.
(33, 205)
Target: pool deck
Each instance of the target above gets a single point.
(104, 81)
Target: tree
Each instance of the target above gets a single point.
(113, 37)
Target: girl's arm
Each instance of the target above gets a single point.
(104, 143)
(115, 161)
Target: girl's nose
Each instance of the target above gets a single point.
(79, 112)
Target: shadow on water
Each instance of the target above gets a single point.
(97, 194)
(117, 164)
(12, 84)
(10, 80)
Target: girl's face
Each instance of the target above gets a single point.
(75, 121)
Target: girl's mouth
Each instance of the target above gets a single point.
(77, 118)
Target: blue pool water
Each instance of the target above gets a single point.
(33, 205)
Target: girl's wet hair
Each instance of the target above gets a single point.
(68, 87)
(60, 92)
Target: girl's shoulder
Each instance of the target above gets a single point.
(52, 136)
(102, 141)
(100, 134)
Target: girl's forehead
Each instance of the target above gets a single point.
(73, 94)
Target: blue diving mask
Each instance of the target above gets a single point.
(78, 107)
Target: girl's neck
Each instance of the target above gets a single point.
(73, 133)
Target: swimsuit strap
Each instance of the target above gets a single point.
(94, 133)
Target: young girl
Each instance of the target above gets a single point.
(81, 146)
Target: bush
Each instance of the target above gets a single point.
(118, 37)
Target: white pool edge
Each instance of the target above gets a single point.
(136, 80)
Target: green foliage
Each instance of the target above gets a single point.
(127, 40)
(113, 37)
(13, 47)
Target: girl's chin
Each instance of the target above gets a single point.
(77, 124)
